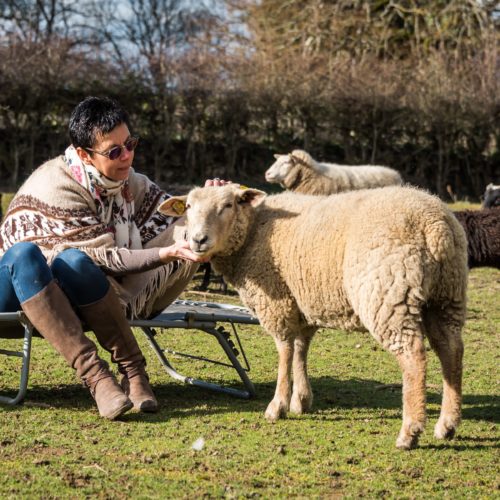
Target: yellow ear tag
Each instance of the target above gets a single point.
(243, 187)
(179, 207)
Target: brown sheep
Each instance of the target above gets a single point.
(482, 228)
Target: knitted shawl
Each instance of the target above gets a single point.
(55, 211)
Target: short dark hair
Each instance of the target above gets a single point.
(92, 117)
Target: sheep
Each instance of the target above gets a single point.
(491, 196)
(482, 228)
(391, 260)
(298, 172)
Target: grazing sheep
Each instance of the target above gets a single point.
(491, 196)
(298, 172)
(482, 228)
(392, 260)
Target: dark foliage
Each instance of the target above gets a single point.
(207, 103)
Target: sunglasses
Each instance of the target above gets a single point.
(116, 151)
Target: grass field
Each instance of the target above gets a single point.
(56, 446)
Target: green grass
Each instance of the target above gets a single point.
(56, 446)
(464, 205)
(6, 198)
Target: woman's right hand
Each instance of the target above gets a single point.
(216, 182)
(180, 250)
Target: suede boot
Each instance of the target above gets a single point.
(107, 319)
(51, 314)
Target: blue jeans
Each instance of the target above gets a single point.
(24, 272)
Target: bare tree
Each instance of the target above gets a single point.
(46, 62)
(156, 38)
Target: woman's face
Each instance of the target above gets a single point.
(117, 170)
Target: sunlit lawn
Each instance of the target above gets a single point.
(55, 445)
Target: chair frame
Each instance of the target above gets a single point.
(206, 317)
(13, 321)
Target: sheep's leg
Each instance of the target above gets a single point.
(302, 396)
(205, 283)
(446, 341)
(413, 365)
(278, 407)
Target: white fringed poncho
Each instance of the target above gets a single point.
(55, 211)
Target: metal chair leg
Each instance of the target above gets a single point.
(244, 394)
(25, 354)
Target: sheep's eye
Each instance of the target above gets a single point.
(188, 206)
(223, 207)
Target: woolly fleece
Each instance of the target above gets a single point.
(300, 173)
(392, 260)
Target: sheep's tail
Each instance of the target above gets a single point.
(438, 236)
(447, 245)
(446, 239)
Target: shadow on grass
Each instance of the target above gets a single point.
(475, 406)
(464, 443)
(177, 400)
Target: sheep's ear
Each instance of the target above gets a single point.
(277, 157)
(250, 196)
(175, 206)
(297, 160)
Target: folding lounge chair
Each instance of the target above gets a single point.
(205, 317)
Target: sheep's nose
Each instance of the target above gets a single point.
(199, 240)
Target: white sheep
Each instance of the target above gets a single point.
(299, 172)
(392, 260)
(491, 196)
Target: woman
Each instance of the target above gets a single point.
(81, 221)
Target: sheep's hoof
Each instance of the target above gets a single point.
(407, 442)
(446, 427)
(300, 405)
(274, 412)
(408, 437)
(443, 431)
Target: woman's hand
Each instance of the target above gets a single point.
(216, 182)
(180, 250)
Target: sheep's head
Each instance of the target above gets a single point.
(217, 217)
(278, 171)
(491, 196)
(282, 171)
